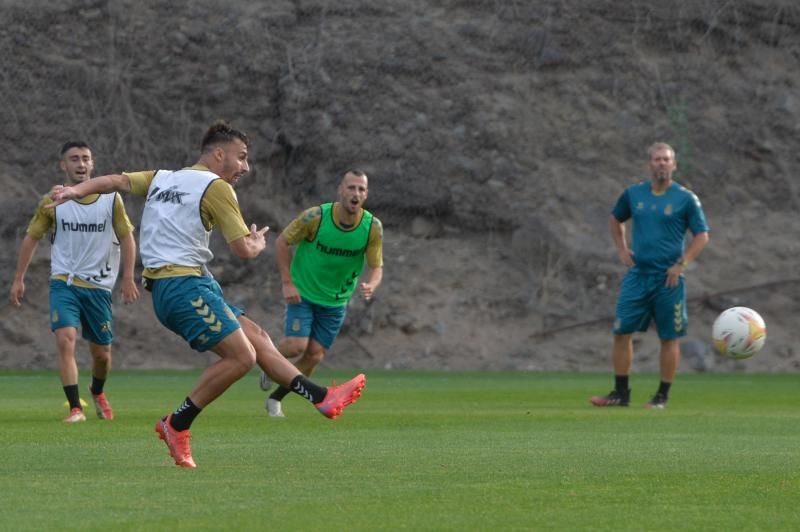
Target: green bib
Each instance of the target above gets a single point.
(326, 269)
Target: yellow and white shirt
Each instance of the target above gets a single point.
(181, 209)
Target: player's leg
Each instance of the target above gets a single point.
(330, 401)
(96, 325)
(291, 347)
(66, 338)
(193, 307)
(298, 318)
(316, 326)
(237, 358)
(672, 321)
(622, 354)
(64, 322)
(101, 367)
(632, 314)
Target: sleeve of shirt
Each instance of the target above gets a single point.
(697, 218)
(122, 224)
(304, 227)
(220, 207)
(42, 221)
(622, 210)
(140, 181)
(375, 244)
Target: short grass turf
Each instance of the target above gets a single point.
(420, 451)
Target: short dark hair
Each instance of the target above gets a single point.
(356, 171)
(74, 144)
(221, 132)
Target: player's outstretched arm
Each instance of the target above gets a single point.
(98, 185)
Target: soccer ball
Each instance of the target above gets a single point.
(739, 332)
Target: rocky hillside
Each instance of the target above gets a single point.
(497, 136)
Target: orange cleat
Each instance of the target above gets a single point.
(76, 415)
(339, 397)
(102, 406)
(177, 442)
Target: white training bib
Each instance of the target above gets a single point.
(84, 243)
(172, 231)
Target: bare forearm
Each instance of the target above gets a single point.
(103, 185)
(26, 250)
(374, 277)
(128, 246)
(250, 246)
(617, 231)
(282, 257)
(696, 247)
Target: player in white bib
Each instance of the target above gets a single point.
(84, 261)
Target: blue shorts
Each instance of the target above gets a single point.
(318, 322)
(643, 297)
(193, 308)
(89, 308)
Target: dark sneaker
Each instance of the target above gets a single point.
(659, 401)
(614, 398)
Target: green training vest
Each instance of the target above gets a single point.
(326, 269)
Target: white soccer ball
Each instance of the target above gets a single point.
(739, 332)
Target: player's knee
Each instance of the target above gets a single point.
(314, 355)
(101, 353)
(248, 358)
(291, 348)
(66, 336)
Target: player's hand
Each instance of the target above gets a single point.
(17, 291)
(627, 258)
(258, 236)
(129, 290)
(366, 290)
(290, 294)
(673, 275)
(60, 194)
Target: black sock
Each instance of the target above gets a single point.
(621, 383)
(97, 385)
(280, 393)
(73, 396)
(183, 417)
(313, 392)
(663, 388)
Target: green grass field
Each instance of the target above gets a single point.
(420, 451)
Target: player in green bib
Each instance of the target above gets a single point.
(332, 241)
